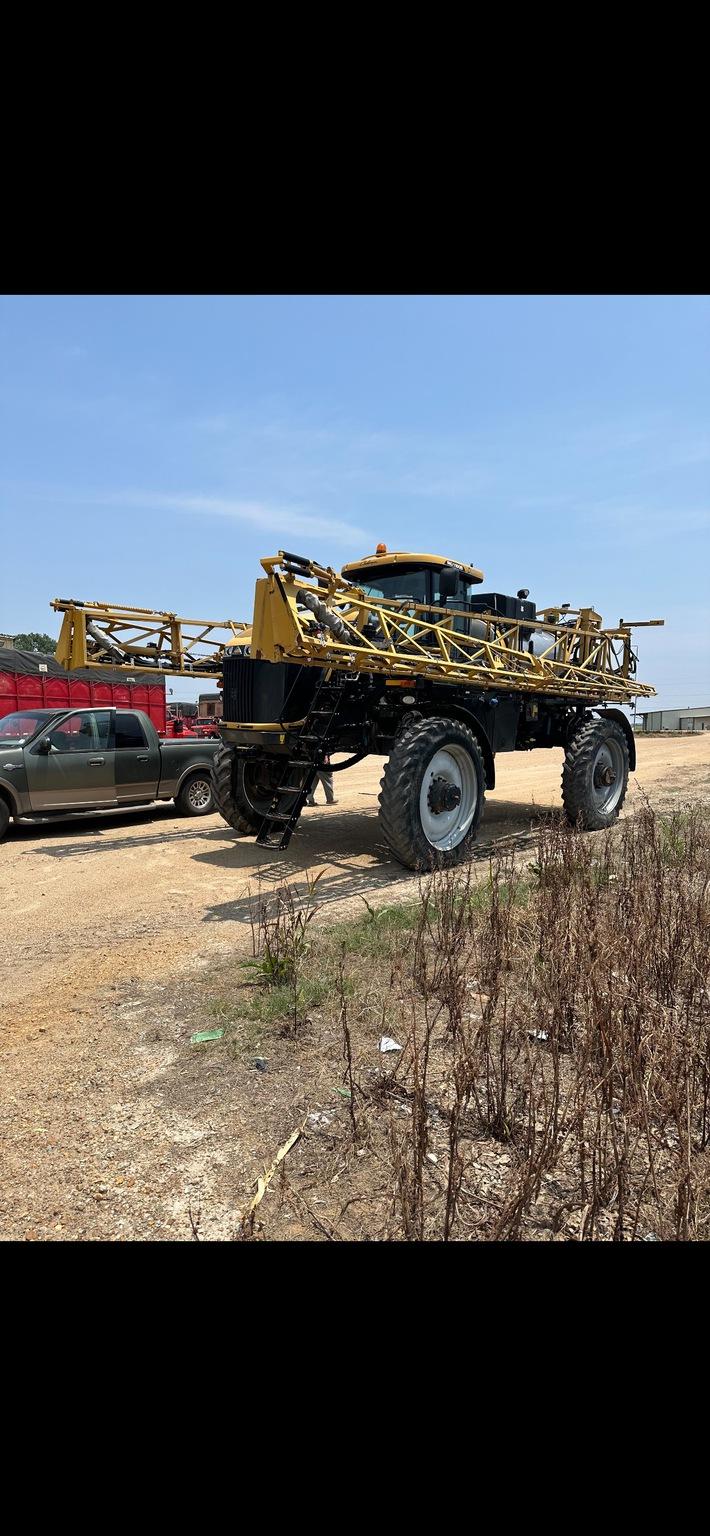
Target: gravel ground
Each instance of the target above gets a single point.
(112, 1125)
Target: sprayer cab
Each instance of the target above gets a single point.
(433, 581)
(429, 579)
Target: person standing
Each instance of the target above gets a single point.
(325, 775)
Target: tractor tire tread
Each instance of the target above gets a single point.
(576, 774)
(399, 805)
(226, 802)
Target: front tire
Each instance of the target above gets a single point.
(595, 775)
(224, 789)
(244, 788)
(432, 795)
(4, 818)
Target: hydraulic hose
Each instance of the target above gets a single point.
(331, 621)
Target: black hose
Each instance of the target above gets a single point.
(356, 758)
(298, 559)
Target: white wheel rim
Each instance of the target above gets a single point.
(199, 794)
(445, 829)
(608, 764)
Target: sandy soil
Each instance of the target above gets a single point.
(112, 926)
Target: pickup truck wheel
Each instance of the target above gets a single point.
(195, 797)
(4, 818)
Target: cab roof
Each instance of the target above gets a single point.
(401, 557)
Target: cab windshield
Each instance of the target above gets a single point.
(419, 584)
(20, 726)
(402, 582)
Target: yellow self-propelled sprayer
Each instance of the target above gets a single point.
(401, 656)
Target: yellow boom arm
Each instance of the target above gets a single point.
(307, 613)
(105, 634)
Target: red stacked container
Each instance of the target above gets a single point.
(29, 680)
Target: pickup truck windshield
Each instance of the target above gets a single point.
(19, 727)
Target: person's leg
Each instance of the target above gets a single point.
(328, 787)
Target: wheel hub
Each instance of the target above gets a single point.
(608, 776)
(443, 795)
(198, 794)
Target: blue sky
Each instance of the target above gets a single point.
(153, 448)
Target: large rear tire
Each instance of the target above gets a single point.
(595, 775)
(432, 795)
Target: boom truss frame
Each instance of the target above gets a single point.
(307, 613)
(128, 639)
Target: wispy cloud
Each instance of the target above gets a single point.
(284, 520)
(328, 453)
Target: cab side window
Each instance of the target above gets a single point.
(86, 731)
(129, 733)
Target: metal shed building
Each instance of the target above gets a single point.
(695, 718)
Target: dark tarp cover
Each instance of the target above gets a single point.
(28, 663)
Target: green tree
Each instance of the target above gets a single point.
(34, 641)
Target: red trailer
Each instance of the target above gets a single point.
(29, 680)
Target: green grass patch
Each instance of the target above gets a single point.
(267, 1005)
(516, 893)
(377, 933)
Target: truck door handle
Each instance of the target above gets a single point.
(95, 762)
(142, 759)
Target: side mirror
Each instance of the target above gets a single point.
(45, 746)
(448, 581)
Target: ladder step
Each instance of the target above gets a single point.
(278, 826)
(273, 838)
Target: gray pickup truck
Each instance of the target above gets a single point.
(54, 762)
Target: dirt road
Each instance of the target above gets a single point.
(110, 925)
(91, 901)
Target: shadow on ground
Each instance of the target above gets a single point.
(333, 837)
(333, 842)
(94, 834)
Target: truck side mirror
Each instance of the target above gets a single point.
(448, 581)
(45, 746)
